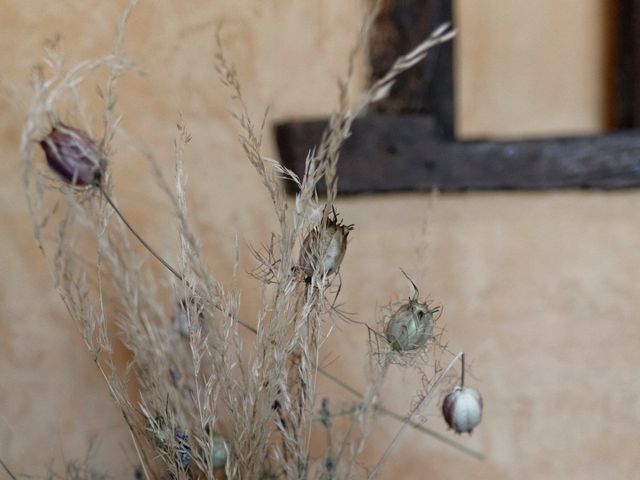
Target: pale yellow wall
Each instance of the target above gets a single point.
(533, 68)
(540, 289)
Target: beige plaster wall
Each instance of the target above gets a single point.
(534, 68)
(540, 289)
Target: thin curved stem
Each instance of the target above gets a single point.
(427, 397)
(403, 418)
(7, 470)
(140, 239)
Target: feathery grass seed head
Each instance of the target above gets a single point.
(186, 310)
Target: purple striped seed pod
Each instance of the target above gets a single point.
(462, 409)
(73, 155)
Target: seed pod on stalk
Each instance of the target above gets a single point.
(462, 409)
(78, 160)
(74, 156)
(324, 247)
(411, 325)
(219, 451)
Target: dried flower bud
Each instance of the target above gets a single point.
(410, 326)
(184, 308)
(462, 409)
(218, 451)
(182, 448)
(73, 155)
(324, 247)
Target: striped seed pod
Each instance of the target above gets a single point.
(462, 409)
(73, 155)
(410, 326)
(323, 248)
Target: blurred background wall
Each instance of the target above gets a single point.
(534, 69)
(540, 289)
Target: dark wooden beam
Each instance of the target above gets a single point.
(427, 88)
(628, 64)
(395, 153)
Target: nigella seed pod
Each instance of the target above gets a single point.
(462, 409)
(410, 326)
(73, 155)
(219, 452)
(324, 247)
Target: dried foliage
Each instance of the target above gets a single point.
(209, 404)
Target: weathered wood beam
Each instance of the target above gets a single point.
(408, 152)
(628, 64)
(428, 87)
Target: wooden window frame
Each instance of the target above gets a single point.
(408, 144)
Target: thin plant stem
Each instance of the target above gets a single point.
(366, 402)
(4, 465)
(427, 397)
(437, 435)
(140, 455)
(140, 239)
(401, 418)
(421, 428)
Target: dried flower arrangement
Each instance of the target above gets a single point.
(209, 406)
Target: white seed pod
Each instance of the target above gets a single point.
(462, 409)
(410, 326)
(219, 451)
(324, 247)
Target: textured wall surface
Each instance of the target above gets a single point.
(534, 68)
(541, 290)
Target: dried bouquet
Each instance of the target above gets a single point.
(200, 399)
